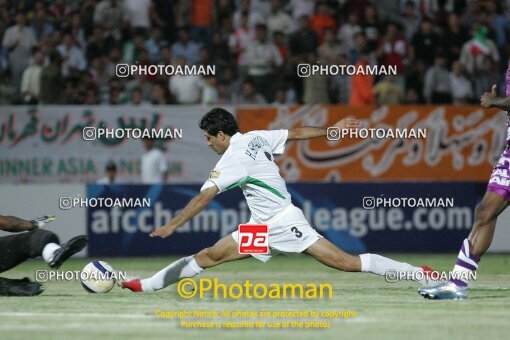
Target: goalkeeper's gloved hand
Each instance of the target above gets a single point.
(40, 222)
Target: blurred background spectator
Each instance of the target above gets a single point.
(388, 92)
(110, 174)
(154, 169)
(66, 51)
(462, 91)
(31, 79)
(18, 41)
(362, 86)
(249, 95)
(437, 87)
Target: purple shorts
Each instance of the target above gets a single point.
(500, 177)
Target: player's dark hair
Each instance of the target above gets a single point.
(217, 120)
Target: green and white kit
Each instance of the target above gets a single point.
(248, 163)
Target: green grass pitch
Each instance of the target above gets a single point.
(384, 310)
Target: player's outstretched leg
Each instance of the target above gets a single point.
(473, 247)
(225, 250)
(327, 253)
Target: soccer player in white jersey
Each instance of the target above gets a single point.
(247, 162)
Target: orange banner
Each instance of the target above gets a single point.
(462, 143)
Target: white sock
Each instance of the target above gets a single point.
(379, 265)
(185, 267)
(49, 250)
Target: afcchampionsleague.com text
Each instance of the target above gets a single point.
(126, 70)
(335, 133)
(392, 276)
(74, 275)
(370, 202)
(66, 203)
(93, 133)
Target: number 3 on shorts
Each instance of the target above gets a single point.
(297, 232)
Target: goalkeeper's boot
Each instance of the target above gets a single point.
(67, 250)
(19, 287)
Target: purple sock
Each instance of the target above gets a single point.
(465, 266)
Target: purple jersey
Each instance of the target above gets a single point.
(500, 177)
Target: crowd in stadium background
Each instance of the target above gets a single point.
(65, 52)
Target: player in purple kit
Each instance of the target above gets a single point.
(492, 205)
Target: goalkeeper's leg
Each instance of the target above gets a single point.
(15, 249)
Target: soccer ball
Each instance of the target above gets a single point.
(97, 277)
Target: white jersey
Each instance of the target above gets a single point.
(249, 163)
(153, 166)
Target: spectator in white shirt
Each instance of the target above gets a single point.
(462, 91)
(278, 20)
(72, 56)
(154, 167)
(262, 60)
(299, 8)
(186, 89)
(31, 79)
(240, 39)
(19, 40)
(137, 12)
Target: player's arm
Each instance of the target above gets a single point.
(15, 224)
(308, 132)
(196, 205)
(491, 99)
